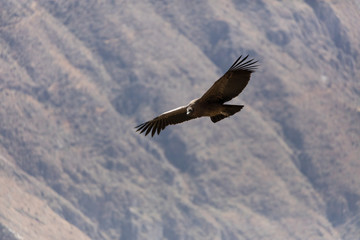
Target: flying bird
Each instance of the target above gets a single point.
(211, 104)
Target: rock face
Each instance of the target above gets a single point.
(76, 77)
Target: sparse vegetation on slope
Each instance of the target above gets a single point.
(76, 77)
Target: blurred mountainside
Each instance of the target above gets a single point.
(76, 77)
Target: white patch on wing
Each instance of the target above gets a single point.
(172, 110)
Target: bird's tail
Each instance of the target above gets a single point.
(227, 111)
(232, 109)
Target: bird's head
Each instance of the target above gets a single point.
(189, 110)
(191, 107)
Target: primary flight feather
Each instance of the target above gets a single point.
(211, 104)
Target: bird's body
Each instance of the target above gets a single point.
(211, 104)
(205, 109)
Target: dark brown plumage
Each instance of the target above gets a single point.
(211, 104)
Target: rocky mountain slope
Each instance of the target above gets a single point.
(76, 77)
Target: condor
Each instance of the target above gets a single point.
(211, 104)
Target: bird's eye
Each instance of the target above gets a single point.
(189, 110)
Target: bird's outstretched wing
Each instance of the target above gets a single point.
(232, 82)
(175, 116)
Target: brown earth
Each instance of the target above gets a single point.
(76, 77)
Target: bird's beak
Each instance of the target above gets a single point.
(188, 111)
